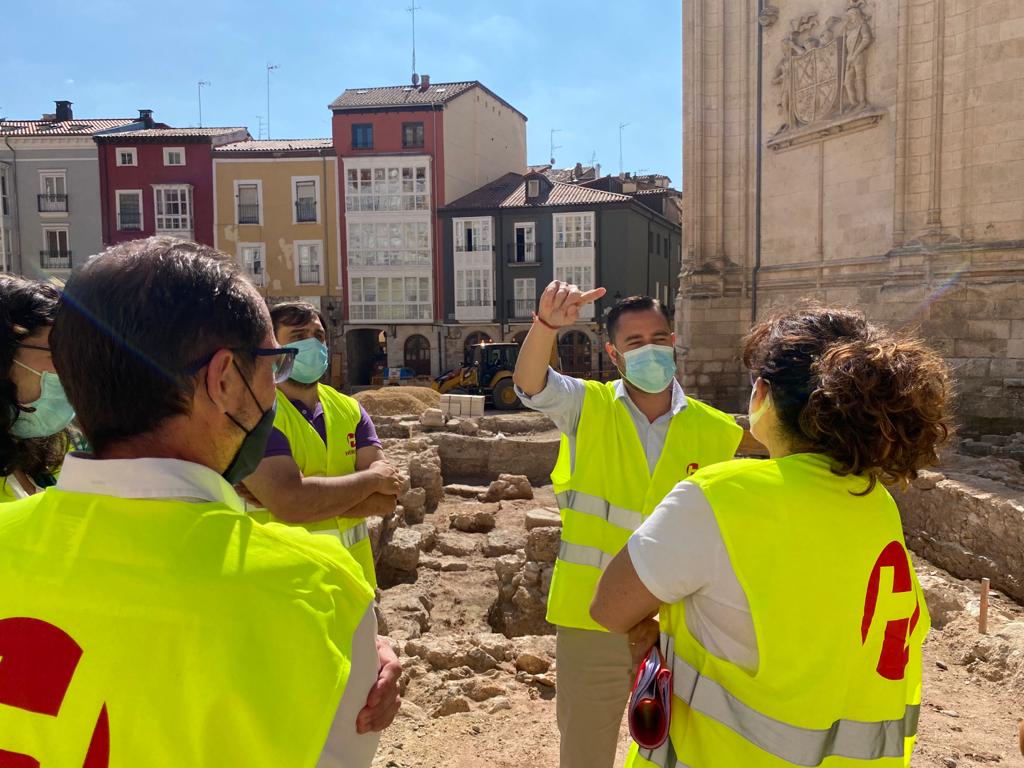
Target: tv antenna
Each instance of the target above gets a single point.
(621, 126)
(553, 145)
(412, 9)
(199, 88)
(259, 129)
(270, 67)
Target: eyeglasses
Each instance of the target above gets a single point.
(282, 359)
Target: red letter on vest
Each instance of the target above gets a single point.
(892, 662)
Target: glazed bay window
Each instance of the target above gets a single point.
(305, 200)
(308, 263)
(392, 187)
(474, 287)
(251, 256)
(574, 230)
(472, 235)
(389, 244)
(173, 208)
(577, 271)
(389, 299)
(129, 210)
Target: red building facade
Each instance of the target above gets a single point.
(160, 181)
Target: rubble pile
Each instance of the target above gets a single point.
(524, 578)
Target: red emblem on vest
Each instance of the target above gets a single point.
(895, 654)
(351, 439)
(37, 663)
(691, 468)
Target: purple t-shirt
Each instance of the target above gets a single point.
(366, 433)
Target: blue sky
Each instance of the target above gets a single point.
(582, 67)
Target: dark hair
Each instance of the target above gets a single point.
(25, 307)
(295, 313)
(633, 304)
(135, 319)
(873, 400)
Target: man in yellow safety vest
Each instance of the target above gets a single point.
(145, 619)
(323, 467)
(625, 445)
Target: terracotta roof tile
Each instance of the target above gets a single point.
(274, 145)
(176, 133)
(355, 99)
(63, 128)
(509, 191)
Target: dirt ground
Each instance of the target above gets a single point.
(967, 719)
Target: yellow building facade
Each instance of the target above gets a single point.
(276, 210)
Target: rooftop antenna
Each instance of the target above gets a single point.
(553, 145)
(593, 158)
(259, 129)
(412, 9)
(269, 68)
(621, 126)
(199, 87)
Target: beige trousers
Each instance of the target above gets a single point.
(594, 681)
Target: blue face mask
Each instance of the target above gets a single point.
(650, 368)
(310, 362)
(51, 412)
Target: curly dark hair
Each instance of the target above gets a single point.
(25, 307)
(876, 401)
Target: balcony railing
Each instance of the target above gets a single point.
(129, 221)
(309, 274)
(248, 213)
(575, 243)
(305, 210)
(51, 260)
(53, 203)
(521, 309)
(523, 253)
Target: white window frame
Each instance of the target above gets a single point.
(60, 173)
(474, 265)
(529, 238)
(532, 187)
(369, 187)
(295, 198)
(59, 228)
(521, 286)
(158, 191)
(259, 201)
(360, 232)
(5, 192)
(167, 152)
(298, 261)
(563, 219)
(476, 225)
(132, 151)
(259, 280)
(377, 310)
(117, 207)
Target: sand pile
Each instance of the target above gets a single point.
(398, 401)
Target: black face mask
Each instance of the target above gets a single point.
(250, 452)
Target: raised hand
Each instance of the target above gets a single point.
(561, 302)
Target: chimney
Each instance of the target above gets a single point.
(146, 117)
(577, 172)
(63, 111)
(425, 83)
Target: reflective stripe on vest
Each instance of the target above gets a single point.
(853, 739)
(579, 554)
(349, 537)
(588, 504)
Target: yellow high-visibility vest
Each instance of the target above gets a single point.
(839, 618)
(610, 491)
(334, 459)
(167, 633)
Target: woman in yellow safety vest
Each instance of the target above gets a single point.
(788, 609)
(34, 413)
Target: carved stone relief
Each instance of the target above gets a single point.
(822, 76)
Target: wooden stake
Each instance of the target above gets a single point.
(983, 613)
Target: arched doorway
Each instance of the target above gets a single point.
(417, 354)
(574, 350)
(520, 337)
(477, 337)
(367, 355)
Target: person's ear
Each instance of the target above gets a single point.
(222, 380)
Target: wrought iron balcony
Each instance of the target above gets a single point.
(523, 253)
(53, 260)
(248, 213)
(309, 274)
(129, 221)
(305, 210)
(53, 203)
(521, 309)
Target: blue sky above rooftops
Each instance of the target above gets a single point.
(580, 67)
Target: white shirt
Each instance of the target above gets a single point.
(679, 555)
(561, 400)
(194, 483)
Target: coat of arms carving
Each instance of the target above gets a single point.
(822, 75)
